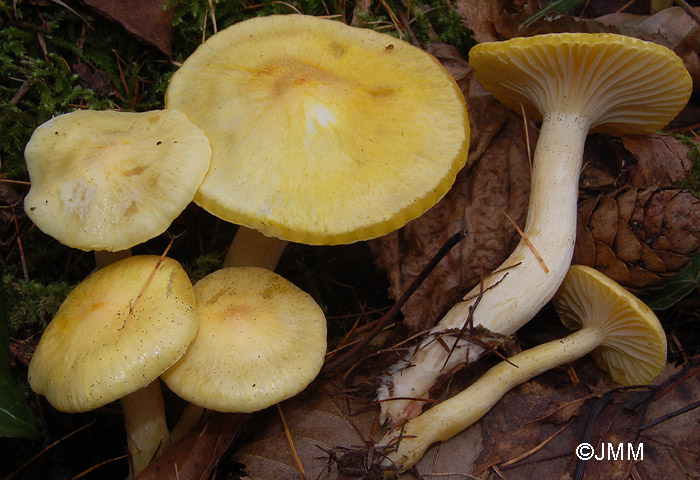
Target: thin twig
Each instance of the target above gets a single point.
(688, 9)
(213, 16)
(95, 467)
(19, 182)
(529, 243)
(23, 89)
(21, 249)
(470, 318)
(396, 308)
(538, 447)
(527, 138)
(670, 415)
(29, 462)
(600, 404)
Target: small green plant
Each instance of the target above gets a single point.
(442, 19)
(555, 6)
(691, 183)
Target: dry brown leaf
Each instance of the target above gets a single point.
(318, 422)
(195, 456)
(520, 423)
(494, 20)
(333, 441)
(145, 19)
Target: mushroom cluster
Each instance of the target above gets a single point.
(308, 130)
(300, 128)
(573, 83)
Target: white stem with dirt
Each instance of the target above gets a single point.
(520, 287)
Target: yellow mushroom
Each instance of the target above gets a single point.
(622, 334)
(573, 83)
(261, 340)
(321, 133)
(106, 181)
(112, 337)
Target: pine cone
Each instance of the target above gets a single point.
(638, 236)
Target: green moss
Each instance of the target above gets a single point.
(42, 49)
(693, 181)
(32, 305)
(192, 18)
(439, 21)
(201, 266)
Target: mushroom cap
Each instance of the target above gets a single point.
(321, 133)
(261, 340)
(94, 352)
(622, 84)
(105, 180)
(633, 349)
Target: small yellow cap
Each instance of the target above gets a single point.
(96, 351)
(633, 349)
(104, 180)
(261, 340)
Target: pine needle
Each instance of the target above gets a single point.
(291, 443)
(529, 243)
(148, 281)
(538, 447)
(46, 449)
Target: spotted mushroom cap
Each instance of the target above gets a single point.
(96, 351)
(261, 340)
(321, 133)
(622, 84)
(106, 180)
(633, 348)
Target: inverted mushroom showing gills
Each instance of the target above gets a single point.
(112, 337)
(261, 340)
(573, 83)
(106, 181)
(321, 133)
(623, 335)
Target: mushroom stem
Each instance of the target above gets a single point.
(146, 431)
(104, 258)
(251, 248)
(406, 445)
(144, 413)
(521, 286)
(190, 416)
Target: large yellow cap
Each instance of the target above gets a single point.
(321, 133)
(622, 84)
